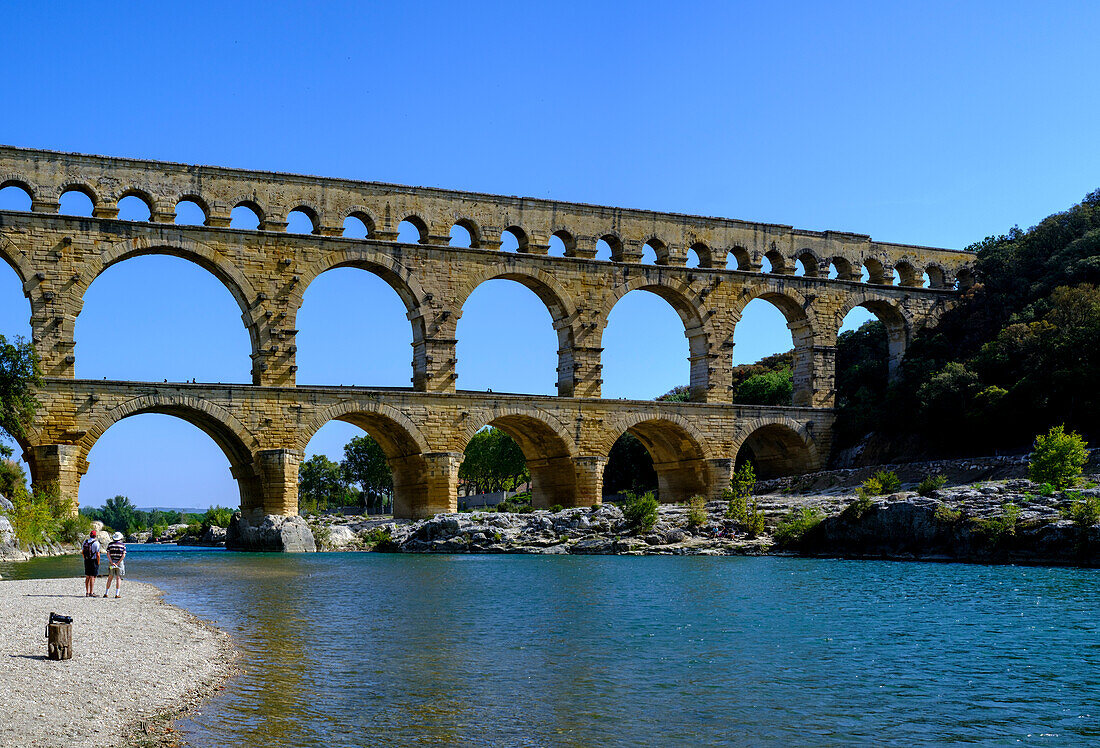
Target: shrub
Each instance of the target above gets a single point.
(888, 480)
(946, 515)
(931, 483)
(795, 525)
(556, 508)
(1057, 458)
(379, 539)
(1085, 511)
(996, 529)
(640, 512)
(697, 511)
(870, 487)
(74, 529)
(739, 509)
(1047, 490)
(216, 516)
(857, 508)
(744, 481)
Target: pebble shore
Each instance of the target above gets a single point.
(137, 663)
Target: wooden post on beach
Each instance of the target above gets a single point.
(60, 641)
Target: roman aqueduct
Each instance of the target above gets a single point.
(263, 428)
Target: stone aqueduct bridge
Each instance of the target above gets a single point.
(264, 427)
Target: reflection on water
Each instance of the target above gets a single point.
(370, 649)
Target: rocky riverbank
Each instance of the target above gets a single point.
(137, 663)
(1009, 520)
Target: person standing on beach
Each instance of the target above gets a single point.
(91, 563)
(116, 553)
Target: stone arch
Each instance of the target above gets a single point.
(778, 262)
(523, 241)
(614, 241)
(568, 240)
(401, 441)
(232, 437)
(17, 260)
(472, 228)
(198, 200)
(704, 253)
(141, 193)
(681, 298)
(187, 249)
(937, 276)
(546, 445)
(844, 269)
(810, 262)
(364, 214)
(892, 314)
(660, 248)
(876, 272)
(801, 321)
(249, 202)
(81, 187)
(909, 274)
(310, 211)
(741, 256)
(777, 447)
(558, 301)
(11, 179)
(964, 278)
(677, 448)
(419, 224)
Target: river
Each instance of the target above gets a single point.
(346, 649)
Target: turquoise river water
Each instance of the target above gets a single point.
(345, 649)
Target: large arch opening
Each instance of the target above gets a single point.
(675, 457)
(15, 315)
(773, 353)
(889, 337)
(170, 457)
(512, 336)
(145, 317)
(352, 330)
(775, 450)
(345, 468)
(398, 443)
(515, 452)
(645, 332)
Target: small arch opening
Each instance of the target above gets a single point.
(190, 213)
(738, 258)
(299, 221)
(134, 208)
(460, 237)
(906, 274)
(245, 217)
(513, 239)
(16, 197)
(75, 203)
(873, 272)
(357, 226)
(934, 277)
(412, 230)
(562, 244)
(603, 250)
(806, 265)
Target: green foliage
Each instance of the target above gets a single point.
(743, 482)
(494, 462)
(861, 380)
(766, 388)
(946, 515)
(678, 394)
(73, 528)
(216, 516)
(379, 539)
(1057, 458)
(996, 529)
(697, 511)
(858, 508)
(1047, 490)
(556, 508)
(119, 513)
(1084, 511)
(19, 377)
(881, 483)
(629, 467)
(931, 483)
(738, 505)
(40, 515)
(796, 524)
(1015, 356)
(321, 485)
(520, 503)
(640, 511)
(366, 466)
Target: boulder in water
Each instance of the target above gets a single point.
(272, 532)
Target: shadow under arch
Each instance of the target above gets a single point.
(793, 306)
(892, 316)
(548, 449)
(401, 441)
(678, 454)
(185, 249)
(558, 303)
(777, 449)
(232, 437)
(679, 297)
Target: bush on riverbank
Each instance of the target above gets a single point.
(795, 525)
(640, 512)
(1058, 458)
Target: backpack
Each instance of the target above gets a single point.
(88, 554)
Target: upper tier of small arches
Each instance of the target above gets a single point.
(224, 198)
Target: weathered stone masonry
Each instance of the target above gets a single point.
(263, 428)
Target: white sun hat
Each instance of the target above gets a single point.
(117, 536)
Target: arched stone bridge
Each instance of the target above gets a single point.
(263, 428)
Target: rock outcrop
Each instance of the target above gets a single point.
(271, 533)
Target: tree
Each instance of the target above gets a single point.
(767, 388)
(493, 462)
(119, 513)
(321, 483)
(1057, 458)
(365, 465)
(19, 376)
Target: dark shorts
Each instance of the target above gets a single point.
(91, 567)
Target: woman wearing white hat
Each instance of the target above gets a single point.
(116, 552)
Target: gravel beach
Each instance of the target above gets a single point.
(137, 661)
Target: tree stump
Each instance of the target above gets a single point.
(59, 638)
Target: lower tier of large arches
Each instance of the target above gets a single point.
(263, 433)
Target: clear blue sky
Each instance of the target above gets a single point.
(925, 123)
